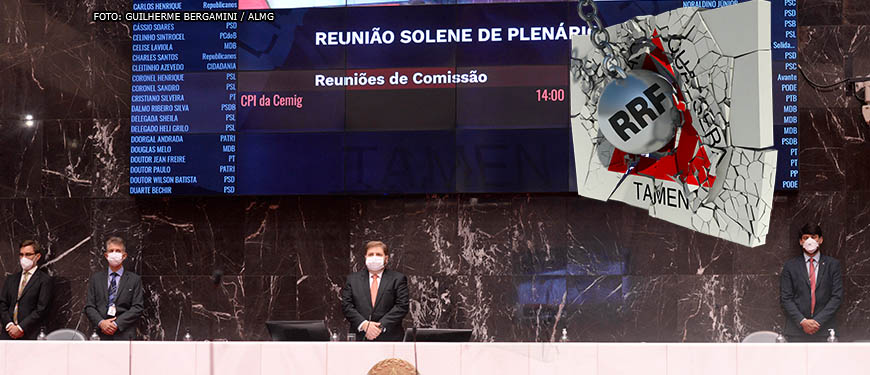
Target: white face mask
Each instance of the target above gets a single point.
(375, 263)
(810, 245)
(115, 259)
(26, 264)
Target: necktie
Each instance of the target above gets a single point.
(812, 286)
(113, 288)
(24, 281)
(374, 289)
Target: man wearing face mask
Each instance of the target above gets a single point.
(375, 300)
(811, 289)
(26, 296)
(115, 298)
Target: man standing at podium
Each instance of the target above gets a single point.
(811, 289)
(25, 296)
(375, 300)
(115, 300)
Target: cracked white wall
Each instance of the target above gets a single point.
(721, 58)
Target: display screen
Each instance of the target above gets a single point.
(363, 98)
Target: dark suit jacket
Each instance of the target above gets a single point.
(33, 305)
(390, 307)
(129, 304)
(795, 294)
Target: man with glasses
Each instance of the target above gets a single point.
(26, 296)
(115, 299)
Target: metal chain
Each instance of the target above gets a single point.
(600, 37)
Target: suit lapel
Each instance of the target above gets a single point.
(819, 271)
(121, 283)
(15, 281)
(103, 286)
(364, 287)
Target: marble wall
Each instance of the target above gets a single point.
(513, 267)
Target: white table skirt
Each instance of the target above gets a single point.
(343, 358)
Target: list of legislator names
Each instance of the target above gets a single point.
(183, 103)
(785, 91)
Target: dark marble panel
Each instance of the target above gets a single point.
(727, 308)
(21, 153)
(75, 17)
(484, 233)
(756, 305)
(854, 314)
(68, 304)
(831, 128)
(67, 169)
(81, 80)
(64, 229)
(705, 309)
(820, 55)
(237, 307)
(650, 307)
(780, 242)
(855, 12)
(217, 309)
(596, 235)
(504, 308)
(651, 245)
(435, 302)
(296, 236)
(854, 256)
(820, 12)
(267, 298)
(22, 22)
(319, 297)
(539, 234)
(431, 240)
(529, 310)
(593, 309)
(168, 304)
(856, 43)
(702, 254)
(21, 93)
(192, 236)
(824, 169)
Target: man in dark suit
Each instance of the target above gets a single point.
(811, 289)
(375, 300)
(115, 298)
(26, 295)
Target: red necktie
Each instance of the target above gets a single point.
(812, 286)
(375, 289)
